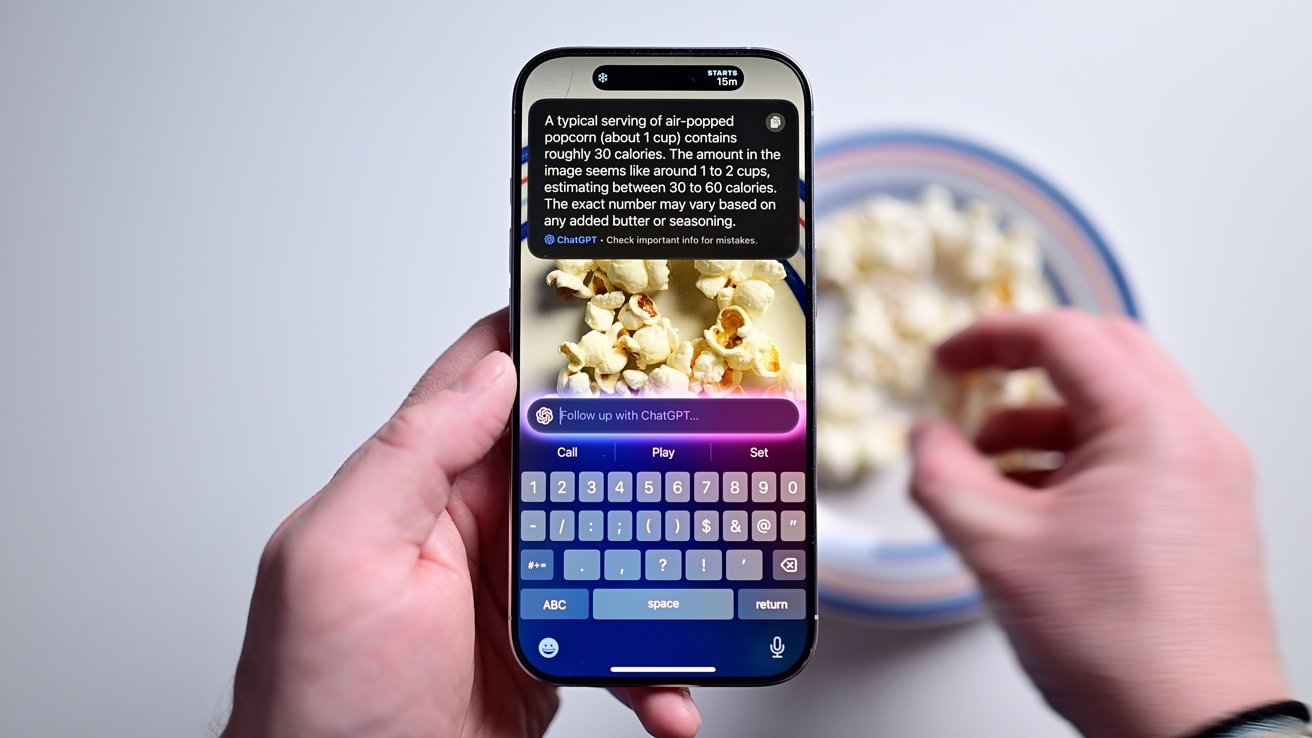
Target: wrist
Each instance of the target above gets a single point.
(1218, 697)
(1170, 706)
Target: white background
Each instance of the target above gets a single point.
(231, 238)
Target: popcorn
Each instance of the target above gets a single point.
(682, 356)
(743, 346)
(640, 310)
(634, 379)
(979, 262)
(666, 381)
(791, 382)
(946, 225)
(1019, 256)
(600, 310)
(608, 383)
(604, 351)
(838, 396)
(837, 453)
(911, 274)
(898, 239)
(576, 266)
(631, 347)
(574, 356)
(609, 300)
(743, 283)
(882, 440)
(570, 285)
(708, 367)
(639, 275)
(753, 295)
(713, 376)
(840, 247)
(573, 384)
(715, 274)
(652, 344)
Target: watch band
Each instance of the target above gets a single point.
(1285, 719)
(1276, 727)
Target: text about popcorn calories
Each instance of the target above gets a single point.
(690, 179)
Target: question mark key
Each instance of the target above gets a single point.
(663, 565)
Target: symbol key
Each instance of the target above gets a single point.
(649, 525)
(533, 525)
(582, 564)
(706, 525)
(792, 525)
(623, 564)
(703, 566)
(743, 566)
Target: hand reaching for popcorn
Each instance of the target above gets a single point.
(1130, 579)
(380, 603)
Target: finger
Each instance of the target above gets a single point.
(1135, 340)
(968, 500)
(1044, 428)
(666, 712)
(1034, 479)
(1088, 367)
(399, 482)
(491, 333)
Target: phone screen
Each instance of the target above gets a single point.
(664, 515)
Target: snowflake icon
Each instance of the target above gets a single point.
(602, 77)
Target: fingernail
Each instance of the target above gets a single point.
(689, 706)
(481, 374)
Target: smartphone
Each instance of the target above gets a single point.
(662, 293)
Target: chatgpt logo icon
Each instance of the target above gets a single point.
(549, 239)
(544, 416)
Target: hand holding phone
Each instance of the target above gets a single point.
(663, 467)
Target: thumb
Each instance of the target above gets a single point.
(957, 487)
(397, 485)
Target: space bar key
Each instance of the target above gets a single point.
(662, 604)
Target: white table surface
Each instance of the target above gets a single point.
(230, 239)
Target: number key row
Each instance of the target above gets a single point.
(674, 486)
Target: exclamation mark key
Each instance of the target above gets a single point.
(704, 566)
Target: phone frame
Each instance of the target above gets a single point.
(516, 124)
